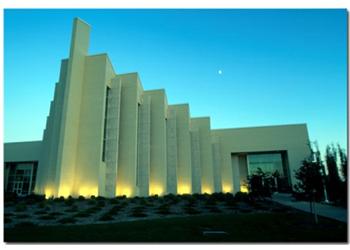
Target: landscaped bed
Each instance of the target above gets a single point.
(170, 218)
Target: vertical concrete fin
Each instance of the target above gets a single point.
(80, 38)
(73, 92)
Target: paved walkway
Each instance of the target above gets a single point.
(325, 210)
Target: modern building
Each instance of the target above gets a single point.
(105, 135)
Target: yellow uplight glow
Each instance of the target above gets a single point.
(183, 189)
(124, 191)
(88, 191)
(64, 191)
(227, 189)
(48, 193)
(244, 189)
(206, 190)
(155, 190)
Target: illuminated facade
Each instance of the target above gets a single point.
(105, 135)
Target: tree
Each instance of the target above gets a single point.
(310, 180)
(343, 196)
(333, 179)
(260, 184)
(343, 162)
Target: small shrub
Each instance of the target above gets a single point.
(81, 198)
(121, 197)
(138, 212)
(172, 199)
(7, 220)
(73, 208)
(114, 201)
(242, 197)
(164, 209)
(22, 216)
(69, 202)
(82, 214)
(42, 204)
(245, 210)
(101, 203)
(222, 197)
(114, 210)
(55, 213)
(93, 209)
(40, 212)
(20, 207)
(231, 203)
(100, 198)
(60, 199)
(106, 217)
(191, 210)
(10, 197)
(34, 198)
(47, 217)
(214, 210)
(210, 202)
(25, 224)
(92, 202)
(92, 197)
(67, 220)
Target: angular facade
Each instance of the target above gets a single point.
(105, 135)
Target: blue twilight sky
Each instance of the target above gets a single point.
(277, 66)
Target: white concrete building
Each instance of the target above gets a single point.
(105, 135)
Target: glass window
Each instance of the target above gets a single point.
(268, 163)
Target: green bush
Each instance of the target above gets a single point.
(20, 207)
(114, 201)
(191, 210)
(69, 202)
(92, 197)
(92, 202)
(231, 203)
(81, 198)
(25, 224)
(67, 220)
(210, 202)
(7, 220)
(121, 197)
(42, 204)
(242, 197)
(100, 198)
(114, 210)
(82, 214)
(138, 212)
(40, 212)
(47, 217)
(60, 199)
(105, 217)
(34, 198)
(245, 210)
(55, 213)
(221, 197)
(10, 197)
(101, 203)
(164, 209)
(22, 216)
(214, 210)
(73, 208)
(93, 209)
